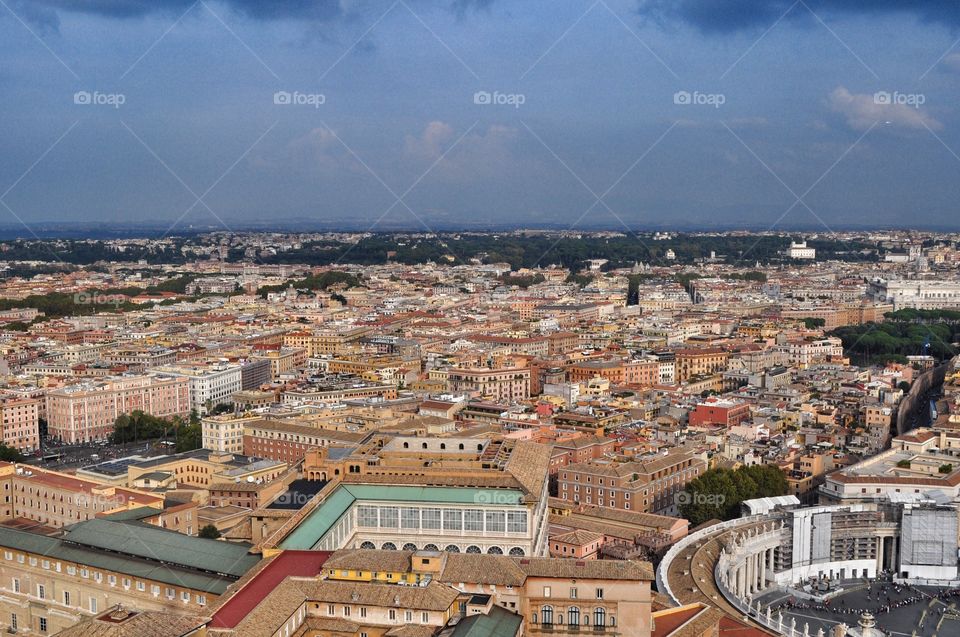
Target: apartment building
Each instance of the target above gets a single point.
(209, 385)
(700, 362)
(503, 385)
(55, 499)
(225, 432)
(282, 360)
(86, 412)
(20, 419)
(647, 486)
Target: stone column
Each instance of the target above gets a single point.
(763, 569)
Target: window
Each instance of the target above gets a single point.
(546, 591)
(517, 522)
(346, 611)
(599, 593)
(202, 600)
(41, 591)
(430, 518)
(43, 624)
(93, 604)
(546, 614)
(389, 517)
(13, 621)
(473, 520)
(424, 617)
(393, 615)
(66, 598)
(452, 520)
(496, 521)
(363, 611)
(331, 609)
(599, 617)
(573, 616)
(573, 593)
(410, 518)
(16, 585)
(408, 616)
(367, 516)
(141, 586)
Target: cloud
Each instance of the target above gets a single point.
(711, 16)
(314, 10)
(431, 142)
(952, 61)
(864, 110)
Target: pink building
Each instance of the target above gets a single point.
(20, 419)
(86, 412)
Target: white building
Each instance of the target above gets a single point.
(917, 294)
(801, 251)
(213, 385)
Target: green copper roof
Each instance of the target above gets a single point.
(163, 566)
(498, 623)
(328, 513)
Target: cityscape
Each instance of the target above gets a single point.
(479, 318)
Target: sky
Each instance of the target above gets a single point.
(438, 114)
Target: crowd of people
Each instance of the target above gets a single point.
(887, 594)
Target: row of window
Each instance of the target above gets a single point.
(429, 518)
(574, 617)
(450, 548)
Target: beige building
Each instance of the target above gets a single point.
(55, 499)
(48, 583)
(506, 385)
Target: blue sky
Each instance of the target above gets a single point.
(614, 113)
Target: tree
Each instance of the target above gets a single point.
(209, 532)
(717, 493)
(189, 437)
(9, 454)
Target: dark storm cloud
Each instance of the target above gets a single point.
(725, 16)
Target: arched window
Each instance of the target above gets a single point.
(517, 552)
(473, 549)
(443, 445)
(461, 446)
(409, 547)
(431, 547)
(546, 614)
(495, 550)
(599, 617)
(406, 445)
(573, 616)
(389, 546)
(452, 548)
(368, 545)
